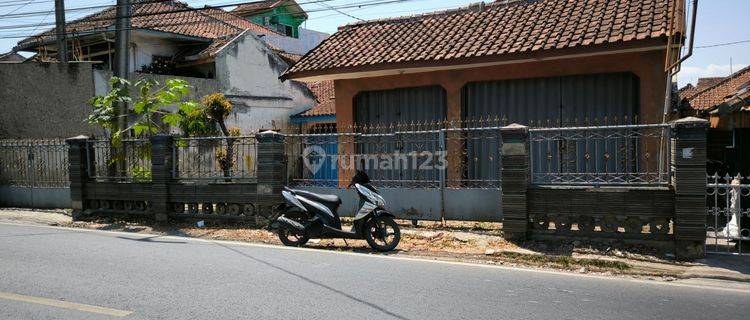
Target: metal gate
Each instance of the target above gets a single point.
(34, 173)
(580, 100)
(728, 215)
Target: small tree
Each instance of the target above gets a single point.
(153, 104)
(218, 109)
(154, 112)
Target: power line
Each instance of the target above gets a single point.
(17, 36)
(15, 3)
(86, 8)
(722, 44)
(21, 7)
(339, 11)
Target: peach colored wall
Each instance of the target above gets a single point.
(648, 66)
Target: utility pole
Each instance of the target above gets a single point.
(122, 44)
(62, 45)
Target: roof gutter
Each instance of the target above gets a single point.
(693, 19)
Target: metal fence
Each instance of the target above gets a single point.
(215, 158)
(129, 160)
(601, 155)
(728, 214)
(34, 163)
(398, 156)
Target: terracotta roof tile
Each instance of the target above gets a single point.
(258, 6)
(519, 26)
(713, 96)
(324, 94)
(167, 16)
(689, 90)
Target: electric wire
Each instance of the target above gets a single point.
(188, 9)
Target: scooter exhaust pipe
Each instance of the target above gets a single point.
(291, 223)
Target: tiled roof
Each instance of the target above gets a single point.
(713, 96)
(253, 7)
(503, 27)
(324, 94)
(290, 58)
(688, 91)
(167, 16)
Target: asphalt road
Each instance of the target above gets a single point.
(54, 273)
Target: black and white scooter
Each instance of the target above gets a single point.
(308, 215)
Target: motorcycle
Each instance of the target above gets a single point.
(306, 215)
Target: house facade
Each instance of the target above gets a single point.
(284, 16)
(536, 63)
(546, 63)
(214, 50)
(725, 102)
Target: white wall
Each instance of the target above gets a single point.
(248, 72)
(308, 40)
(146, 46)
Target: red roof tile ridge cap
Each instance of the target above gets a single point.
(722, 82)
(434, 14)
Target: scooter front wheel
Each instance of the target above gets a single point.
(382, 233)
(291, 237)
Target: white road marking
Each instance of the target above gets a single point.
(64, 304)
(689, 283)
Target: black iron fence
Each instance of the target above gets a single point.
(397, 156)
(34, 163)
(215, 158)
(127, 160)
(601, 155)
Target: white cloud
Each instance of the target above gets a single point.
(691, 74)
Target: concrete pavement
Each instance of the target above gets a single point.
(153, 277)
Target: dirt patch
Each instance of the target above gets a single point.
(456, 241)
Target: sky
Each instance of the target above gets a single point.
(719, 22)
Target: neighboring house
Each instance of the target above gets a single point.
(11, 57)
(284, 16)
(725, 102)
(213, 49)
(526, 61)
(324, 110)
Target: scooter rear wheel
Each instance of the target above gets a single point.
(291, 237)
(382, 233)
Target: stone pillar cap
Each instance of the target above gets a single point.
(515, 126)
(268, 132)
(77, 138)
(689, 121)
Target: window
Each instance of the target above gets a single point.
(285, 29)
(289, 31)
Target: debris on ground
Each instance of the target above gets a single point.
(463, 241)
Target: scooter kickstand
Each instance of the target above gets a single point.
(346, 243)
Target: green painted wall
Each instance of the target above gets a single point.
(279, 16)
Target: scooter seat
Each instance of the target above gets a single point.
(326, 198)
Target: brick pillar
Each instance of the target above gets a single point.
(271, 169)
(78, 173)
(688, 166)
(161, 175)
(514, 173)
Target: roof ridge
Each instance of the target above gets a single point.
(426, 15)
(222, 11)
(217, 19)
(722, 82)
